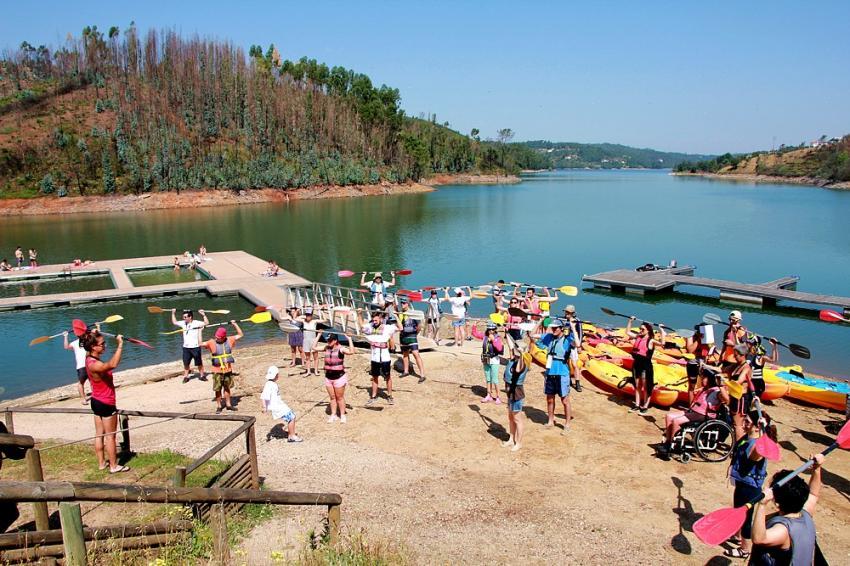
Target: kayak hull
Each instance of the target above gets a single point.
(607, 376)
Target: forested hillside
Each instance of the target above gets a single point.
(118, 112)
(828, 162)
(569, 155)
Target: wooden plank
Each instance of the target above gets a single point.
(72, 534)
(35, 473)
(54, 536)
(18, 440)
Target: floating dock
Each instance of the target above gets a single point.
(666, 279)
(229, 273)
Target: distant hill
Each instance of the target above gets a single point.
(571, 155)
(823, 162)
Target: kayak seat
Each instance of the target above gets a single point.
(711, 439)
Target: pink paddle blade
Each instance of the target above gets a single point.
(767, 448)
(404, 272)
(260, 309)
(716, 527)
(843, 439)
(344, 273)
(404, 292)
(428, 288)
(139, 342)
(414, 296)
(477, 334)
(830, 316)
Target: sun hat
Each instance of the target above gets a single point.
(221, 332)
(308, 310)
(389, 297)
(271, 373)
(458, 290)
(736, 314)
(570, 308)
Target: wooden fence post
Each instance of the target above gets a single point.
(125, 433)
(334, 518)
(218, 524)
(35, 473)
(10, 422)
(251, 442)
(179, 479)
(72, 534)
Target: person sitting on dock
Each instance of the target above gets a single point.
(5, 265)
(221, 348)
(378, 287)
(202, 252)
(272, 270)
(191, 341)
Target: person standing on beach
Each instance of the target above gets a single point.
(191, 341)
(19, 256)
(103, 403)
(735, 334)
(491, 350)
(273, 403)
(80, 357)
(557, 374)
(378, 333)
(221, 348)
(458, 303)
(499, 293)
(575, 367)
(432, 318)
(309, 342)
(377, 287)
(408, 327)
(515, 373)
(336, 377)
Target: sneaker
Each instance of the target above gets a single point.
(421, 379)
(186, 380)
(295, 438)
(231, 408)
(634, 409)
(370, 401)
(578, 386)
(343, 419)
(218, 410)
(643, 410)
(498, 401)
(566, 430)
(486, 399)
(508, 443)
(333, 418)
(390, 400)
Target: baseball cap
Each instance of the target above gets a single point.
(271, 373)
(570, 308)
(556, 324)
(736, 314)
(221, 332)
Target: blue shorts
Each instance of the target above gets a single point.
(557, 385)
(288, 417)
(458, 322)
(516, 406)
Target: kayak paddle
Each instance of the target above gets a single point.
(716, 527)
(765, 445)
(42, 339)
(130, 340)
(344, 273)
(110, 319)
(79, 327)
(498, 318)
(832, 316)
(160, 310)
(256, 318)
(476, 294)
(796, 349)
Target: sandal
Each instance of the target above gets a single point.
(119, 469)
(736, 552)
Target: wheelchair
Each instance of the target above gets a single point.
(711, 439)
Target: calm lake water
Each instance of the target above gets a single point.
(549, 229)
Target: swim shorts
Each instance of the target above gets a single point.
(458, 322)
(222, 380)
(190, 355)
(557, 385)
(378, 369)
(338, 382)
(491, 373)
(288, 417)
(82, 375)
(102, 409)
(516, 406)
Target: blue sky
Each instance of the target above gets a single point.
(686, 76)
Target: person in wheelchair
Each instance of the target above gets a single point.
(708, 400)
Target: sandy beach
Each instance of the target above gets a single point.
(429, 474)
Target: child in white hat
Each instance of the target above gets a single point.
(273, 403)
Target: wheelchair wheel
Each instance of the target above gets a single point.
(713, 440)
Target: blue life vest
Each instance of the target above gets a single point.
(745, 470)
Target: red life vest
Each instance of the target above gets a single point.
(641, 347)
(333, 360)
(513, 322)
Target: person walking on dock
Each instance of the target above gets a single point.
(221, 348)
(378, 333)
(191, 341)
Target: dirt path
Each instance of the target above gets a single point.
(429, 473)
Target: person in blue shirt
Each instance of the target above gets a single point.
(558, 345)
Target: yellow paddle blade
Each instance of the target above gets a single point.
(155, 310)
(259, 317)
(568, 290)
(220, 311)
(498, 318)
(735, 389)
(39, 340)
(479, 294)
(526, 357)
(172, 332)
(113, 318)
(544, 305)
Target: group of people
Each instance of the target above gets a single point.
(32, 254)
(192, 260)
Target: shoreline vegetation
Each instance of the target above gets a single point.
(203, 198)
(756, 178)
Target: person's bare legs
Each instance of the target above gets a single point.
(550, 410)
(374, 387)
(82, 389)
(420, 367)
(293, 351)
(568, 412)
(225, 392)
(110, 425)
(511, 428)
(98, 442)
(331, 399)
(405, 361)
(389, 381)
(339, 393)
(520, 427)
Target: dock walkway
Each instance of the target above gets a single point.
(662, 280)
(230, 273)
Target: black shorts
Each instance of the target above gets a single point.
(758, 386)
(410, 347)
(642, 368)
(378, 369)
(82, 375)
(692, 370)
(190, 354)
(102, 409)
(515, 333)
(744, 493)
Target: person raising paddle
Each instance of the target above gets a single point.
(790, 537)
(643, 347)
(378, 333)
(408, 327)
(734, 334)
(706, 402)
(741, 373)
(515, 373)
(221, 348)
(458, 304)
(191, 341)
(758, 359)
(377, 287)
(557, 374)
(103, 397)
(80, 358)
(336, 377)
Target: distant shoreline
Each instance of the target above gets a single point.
(751, 178)
(203, 198)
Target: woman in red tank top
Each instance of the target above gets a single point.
(103, 397)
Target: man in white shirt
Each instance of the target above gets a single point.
(191, 341)
(378, 334)
(80, 358)
(458, 303)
